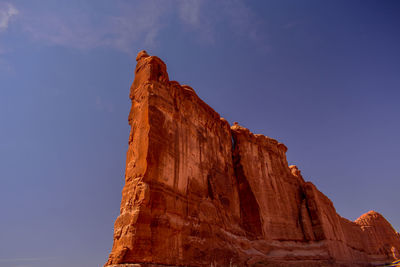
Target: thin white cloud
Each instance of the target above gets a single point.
(189, 12)
(134, 23)
(128, 24)
(7, 11)
(205, 16)
(243, 20)
(195, 16)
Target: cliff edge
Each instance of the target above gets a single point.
(199, 192)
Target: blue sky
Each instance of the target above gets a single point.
(323, 77)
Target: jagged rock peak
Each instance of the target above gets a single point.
(141, 54)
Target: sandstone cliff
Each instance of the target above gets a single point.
(201, 193)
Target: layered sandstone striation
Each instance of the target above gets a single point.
(199, 192)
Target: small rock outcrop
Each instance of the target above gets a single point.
(199, 192)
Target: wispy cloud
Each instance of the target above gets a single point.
(77, 29)
(195, 16)
(244, 20)
(7, 11)
(189, 12)
(207, 17)
(124, 25)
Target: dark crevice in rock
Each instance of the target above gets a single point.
(209, 187)
(249, 209)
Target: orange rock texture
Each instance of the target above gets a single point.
(199, 192)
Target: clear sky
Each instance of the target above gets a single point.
(323, 77)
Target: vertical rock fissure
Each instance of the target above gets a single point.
(209, 187)
(177, 159)
(249, 209)
(304, 217)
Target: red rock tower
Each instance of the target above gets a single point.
(201, 193)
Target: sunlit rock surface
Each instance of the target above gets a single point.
(199, 192)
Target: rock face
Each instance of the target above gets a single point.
(201, 193)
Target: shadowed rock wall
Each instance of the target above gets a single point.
(201, 193)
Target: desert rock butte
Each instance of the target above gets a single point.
(199, 192)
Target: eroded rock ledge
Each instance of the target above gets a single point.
(201, 193)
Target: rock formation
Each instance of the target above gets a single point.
(201, 193)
